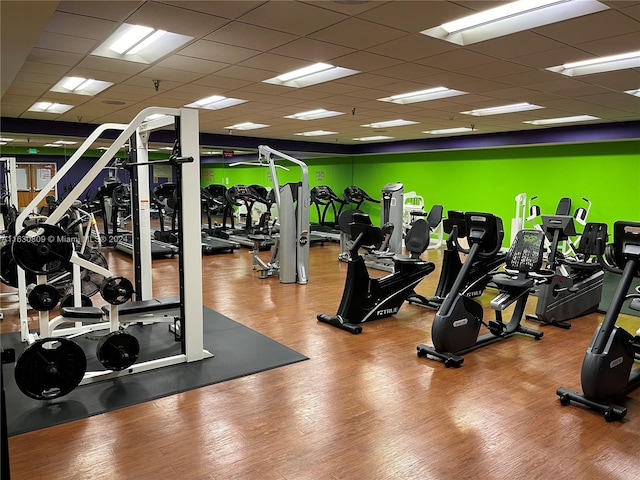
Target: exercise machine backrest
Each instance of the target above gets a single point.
(417, 239)
(526, 253)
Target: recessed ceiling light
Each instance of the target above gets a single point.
(314, 114)
(450, 130)
(141, 44)
(311, 75)
(65, 142)
(316, 133)
(246, 126)
(389, 123)
(422, 95)
(2, 139)
(80, 86)
(372, 138)
(551, 121)
(215, 102)
(50, 107)
(599, 65)
(510, 18)
(516, 107)
(635, 92)
(56, 145)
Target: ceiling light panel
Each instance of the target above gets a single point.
(510, 18)
(80, 86)
(315, 133)
(422, 95)
(246, 126)
(553, 121)
(449, 130)
(599, 65)
(141, 44)
(216, 102)
(314, 114)
(389, 123)
(515, 107)
(50, 107)
(635, 92)
(372, 138)
(311, 75)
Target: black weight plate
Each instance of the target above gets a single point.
(9, 268)
(67, 300)
(43, 297)
(50, 368)
(116, 290)
(118, 350)
(42, 249)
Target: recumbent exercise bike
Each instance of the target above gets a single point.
(456, 326)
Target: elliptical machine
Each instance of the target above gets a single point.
(368, 298)
(457, 324)
(479, 273)
(607, 368)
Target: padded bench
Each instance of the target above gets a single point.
(146, 306)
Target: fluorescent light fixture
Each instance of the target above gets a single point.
(2, 139)
(516, 107)
(64, 142)
(141, 44)
(552, 121)
(215, 102)
(50, 107)
(314, 114)
(449, 130)
(2, 143)
(246, 126)
(212, 152)
(389, 123)
(56, 145)
(316, 133)
(599, 65)
(311, 75)
(373, 138)
(635, 93)
(510, 18)
(80, 86)
(422, 95)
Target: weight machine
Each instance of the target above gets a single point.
(290, 251)
(58, 364)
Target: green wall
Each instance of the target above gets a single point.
(487, 179)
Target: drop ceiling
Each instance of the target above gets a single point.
(238, 44)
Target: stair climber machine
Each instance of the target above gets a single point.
(479, 274)
(368, 298)
(608, 371)
(576, 288)
(456, 326)
(355, 196)
(327, 202)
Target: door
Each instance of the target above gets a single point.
(31, 179)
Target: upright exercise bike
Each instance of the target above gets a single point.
(368, 298)
(607, 368)
(456, 326)
(479, 273)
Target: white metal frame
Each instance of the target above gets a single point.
(190, 208)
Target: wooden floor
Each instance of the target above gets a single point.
(363, 407)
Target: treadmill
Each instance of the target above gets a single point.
(325, 200)
(247, 196)
(164, 198)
